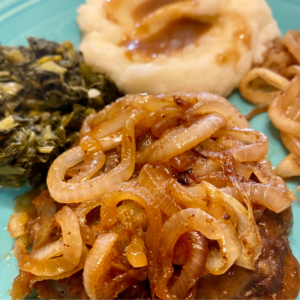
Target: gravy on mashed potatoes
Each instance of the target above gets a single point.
(158, 46)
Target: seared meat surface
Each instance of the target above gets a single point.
(276, 275)
(277, 270)
(67, 288)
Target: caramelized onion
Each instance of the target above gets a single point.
(153, 103)
(88, 233)
(20, 246)
(142, 196)
(277, 111)
(48, 232)
(189, 181)
(21, 286)
(290, 71)
(131, 211)
(136, 253)
(50, 250)
(290, 41)
(209, 103)
(80, 266)
(211, 200)
(111, 141)
(205, 165)
(143, 155)
(112, 125)
(113, 117)
(251, 238)
(222, 207)
(151, 177)
(256, 111)
(72, 249)
(291, 142)
(273, 198)
(255, 150)
(194, 266)
(78, 192)
(227, 141)
(185, 197)
(193, 219)
(97, 264)
(16, 224)
(45, 205)
(288, 167)
(102, 277)
(243, 169)
(108, 112)
(258, 96)
(159, 115)
(199, 131)
(92, 164)
(248, 257)
(93, 161)
(264, 172)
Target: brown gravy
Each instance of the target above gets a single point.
(173, 37)
(150, 6)
(241, 34)
(231, 55)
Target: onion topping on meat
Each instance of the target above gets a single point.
(156, 181)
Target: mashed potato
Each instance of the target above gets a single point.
(161, 46)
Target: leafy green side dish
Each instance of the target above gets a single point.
(46, 91)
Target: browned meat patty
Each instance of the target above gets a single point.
(276, 275)
(277, 270)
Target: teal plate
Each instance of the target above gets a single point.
(56, 20)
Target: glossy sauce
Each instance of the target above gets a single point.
(241, 34)
(150, 6)
(173, 37)
(89, 145)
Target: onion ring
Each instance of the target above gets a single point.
(193, 219)
(209, 103)
(194, 266)
(264, 172)
(142, 196)
(291, 41)
(273, 198)
(16, 224)
(258, 96)
(150, 177)
(98, 264)
(256, 149)
(288, 167)
(88, 233)
(199, 131)
(277, 110)
(65, 192)
(80, 266)
(291, 142)
(71, 253)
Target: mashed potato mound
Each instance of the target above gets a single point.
(162, 46)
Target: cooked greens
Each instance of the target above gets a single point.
(46, 91)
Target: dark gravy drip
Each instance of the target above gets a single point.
(173, 37)
(242, 34)
(150, 6)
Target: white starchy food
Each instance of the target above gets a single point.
(233, 34)
(93, 93)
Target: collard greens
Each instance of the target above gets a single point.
(46, 91)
